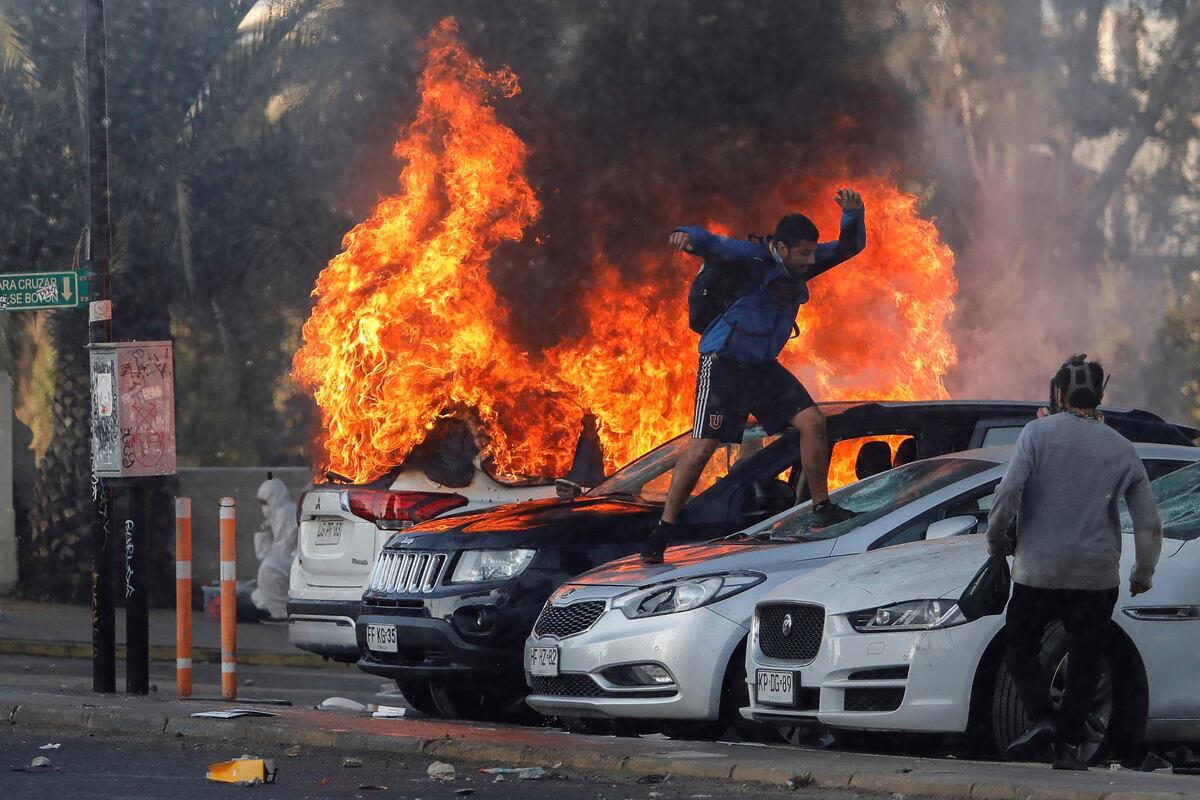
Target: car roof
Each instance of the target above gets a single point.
(1003, 453)
(979, 405)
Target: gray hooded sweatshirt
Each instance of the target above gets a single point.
(1062, 487)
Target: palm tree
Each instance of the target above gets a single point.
(187, 82)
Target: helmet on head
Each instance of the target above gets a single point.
(1078, 383)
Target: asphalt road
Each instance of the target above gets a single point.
(156, 767)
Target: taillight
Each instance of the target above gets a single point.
(391, 510)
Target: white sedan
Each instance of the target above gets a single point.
(876, 643)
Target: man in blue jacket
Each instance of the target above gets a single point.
(739, 370)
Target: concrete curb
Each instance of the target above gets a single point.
(279, 732)
(200, 655)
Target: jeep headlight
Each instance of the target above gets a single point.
(475, 566)
(685, 594)
(913, 615)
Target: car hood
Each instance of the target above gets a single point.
(704, 559)
(519, 524)
(917, 571)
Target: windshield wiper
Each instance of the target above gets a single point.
(630, 495)
(756, 537)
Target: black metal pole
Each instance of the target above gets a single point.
(137, 613)
(104, 636)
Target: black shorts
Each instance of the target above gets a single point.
(728, 392)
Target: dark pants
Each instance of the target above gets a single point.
(1085, 615)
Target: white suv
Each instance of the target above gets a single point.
(343, 527)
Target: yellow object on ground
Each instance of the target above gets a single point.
(245, 771)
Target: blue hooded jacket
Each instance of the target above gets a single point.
(758, 324)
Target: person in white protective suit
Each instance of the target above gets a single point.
(275, 548)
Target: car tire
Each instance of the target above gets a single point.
(735, 695)
(1008, 714)
(480, 705)
(419, 697)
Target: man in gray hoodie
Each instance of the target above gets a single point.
(1061, 488)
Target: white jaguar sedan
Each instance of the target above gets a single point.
(876, 643)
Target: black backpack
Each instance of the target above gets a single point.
(713, 291)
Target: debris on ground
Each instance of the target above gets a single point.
(649, 779)
(341, 704)
(804, 779)
(40, 761)
(521, 773)
(244, 771)
(372, 786)
(351, 762)
(1154, 762)
(389, 712)
(234, 713)
(441, 771)
(53, 746)
(464, 792)
(293, 751)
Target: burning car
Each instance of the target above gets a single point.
(666, 644)
(876, 643)
(451, 601)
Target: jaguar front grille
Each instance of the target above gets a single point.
(790, 631)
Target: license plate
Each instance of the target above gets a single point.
(381, 638)
(543, 661)
(776, 687)
(329, 532)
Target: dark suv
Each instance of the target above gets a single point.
(450, 601)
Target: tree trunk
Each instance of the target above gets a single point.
(57, 564)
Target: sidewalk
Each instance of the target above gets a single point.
(508, 746)
(65, 631)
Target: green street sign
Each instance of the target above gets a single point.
(33, 291)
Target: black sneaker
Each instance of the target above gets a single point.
(656, 543)
(1031, 744)
(1066, 756)
(830, 513)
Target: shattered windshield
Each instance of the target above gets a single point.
(1177, 495)
(649, 477)
(876, 496)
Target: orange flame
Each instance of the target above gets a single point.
(407, 328)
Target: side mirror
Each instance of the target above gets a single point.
(568, 490)
(951, 526)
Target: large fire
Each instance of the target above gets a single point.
(407, 329)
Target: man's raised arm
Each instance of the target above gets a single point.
(852, 238)
(711, 247)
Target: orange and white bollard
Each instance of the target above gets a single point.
(228, 598)
(183, 596)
